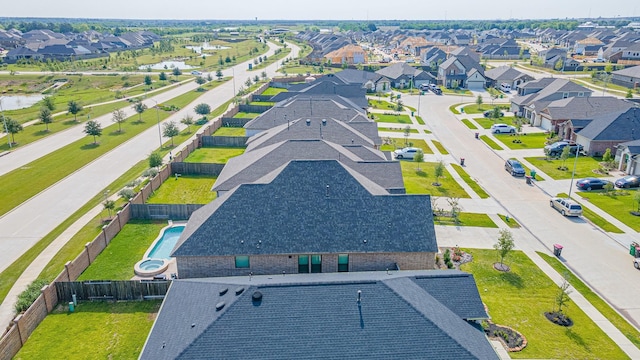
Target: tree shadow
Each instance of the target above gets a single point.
(116, 133)
(421, 173)
(89, 146)
(513, 279)
(70, 122)
(576, 339)
(41, 133)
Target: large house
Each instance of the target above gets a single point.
(462, 71)
(556, 114)
(403, 75)
(506, 75)
(629, 77)
(348, 54)
(370, 81)
(628, 157)
(607, 131)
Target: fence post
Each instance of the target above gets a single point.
(104, 236)
(66, 268)
(16, 322)
(86, 249)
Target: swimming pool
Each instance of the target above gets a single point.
(165, 243)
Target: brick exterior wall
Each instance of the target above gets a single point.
(212, 266)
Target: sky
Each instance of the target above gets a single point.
(321, 10)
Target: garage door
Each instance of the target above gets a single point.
(545, 124)
(475, 85)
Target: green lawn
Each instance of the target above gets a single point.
(218, 155)
(186, 189)
(455, 92)
(487, 122)
(618, 205)
(124, 251)
(421, 122)
(595, 218)
(529, 141)
(381, 104)
(584, 167)
(440, 148)
(469, 124)
(398, 143)
(467, 219)
(520, 298)
(397, 129)
(511, 222)
(96, 330)
(262, 103)
(472, 183)
(389, 118)
(453, 109)
(492, 144)
(271, 91)
(421, 182)
(230, 131)
(475, 109)
(613, 316)
(245, 115)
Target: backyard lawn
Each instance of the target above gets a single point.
(529, 141)
(617, 205)
(230, 131)
(466, 219)
(186, 189)
(421, 182)
(520, 298)
(270, 91)
(390, 118)
(96, 330)
(217, 155)
(246, 115)
(397, 143)
(584, 167)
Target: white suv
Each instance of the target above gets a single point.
(567, 207)
(502, 128)
(406, 153)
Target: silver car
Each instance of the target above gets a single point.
(567, 207)
(406, 153)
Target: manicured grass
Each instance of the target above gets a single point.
(584, 167)
(440, 148)
(262, 103)
(245, 115)
(218, 155)
(520, 298)
(467, 179)
(389, 118)
(595, 218)
(529, 141)
(492, 144)
(487, 122)
(467, 219)
(230, 131)
(618, 205)
(613, 316)
(186, 189)
(512, 223)
(381, 104)
(421, 122)
(469, 124)
(453, 109)
(397, 129)
(421, 182)
(270, 91)
(127, 248)
(398, 143)
(95, 330)
(455, 92)
(475, 109)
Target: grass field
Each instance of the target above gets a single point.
(218, 155)
(230, 131)
(529, 141)
(186, 189)
(492, 144)
(467, 179)
(440, 148)
(96, 330)
(466, 219)
(520, 298)
(398, 143)
(469, 124)
(584, 167)
(421, 181)
(397, 119)
(618, 205)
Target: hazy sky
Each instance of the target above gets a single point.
(321, 9)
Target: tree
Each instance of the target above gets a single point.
(12, 127)
(263, 75)
(629, 94)
(119, 117)
(564, 155)
(202, 109)
(438, 172)
(200, 80)
(504, 246)
(399, 106)
(162, 76)
(256, 79)
(209, 77)
(187, 120)
(155, 159)
(176, 71)
(558, 65)
(147, 80)
(109, 205)
(454, 204)
(93, 128)
(248, 82)
(47, 102)
(607, 157)
(636, 199)
(170, 129)
(479, 100)
(139, 107)
(419, 158)
(608, 68)
(45, 117)
(219, 74)
(496, 113)
(562, 298)
(74, 108)
(407, 131)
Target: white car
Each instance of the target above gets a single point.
(502, 128)
(406, 153)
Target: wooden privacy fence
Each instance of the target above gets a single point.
(163, 211)
(235, 122)
(112, 290)
(228, 141)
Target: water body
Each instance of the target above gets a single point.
(167, 65)
(207, 46)
(15, 102)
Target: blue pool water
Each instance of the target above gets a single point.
(163, 247)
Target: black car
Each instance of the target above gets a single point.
(514, 167)
(589, 184)
(437, 91)
(556, 148)
(628, 181)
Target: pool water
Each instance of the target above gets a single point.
(151, 264)
(163, 247)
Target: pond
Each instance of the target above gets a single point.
(15, 102)
(207, 46)
(167, 65)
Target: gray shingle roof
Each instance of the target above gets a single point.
(314, 207)
(352, 76)
(585, 107)
(396, 70)
(327, 85)
(315, 317)
(633, 71)
(614, 127)
(503, 72)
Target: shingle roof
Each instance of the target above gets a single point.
(554, 87)
(315, 316)
(585, 107)
(396, 70)
(614, 127)
(353, 76)
(633, 71)
(327, 85)
(314, 207)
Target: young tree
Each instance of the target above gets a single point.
(47, 102)
(202, 109)
(45, 117)
(636, 199)
(219, 74)
(74, 108)
(147, 80)
(176, 72)
(479, 100)
(407, 131)
(209, 77)
(162, 76)
(12, 127)
(256, 79)
(454, 204)
(109, 205)
(139, 107)
(562, 298)
(504, 245)
(496, 113)
(558, 65)
(155, 159)
(629, 94)
(566, 152)
(248, 82)
(399, 106)
(119, 117)
(200, 80)
(93, 128)
(419, 158)
(438, 172)
(187, 120)
(263, 75)
(170, 129)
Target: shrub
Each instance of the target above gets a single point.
(127, 193)
(151, 172)
(29, 295)
(132, 184)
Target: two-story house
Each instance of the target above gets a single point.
(462, 71)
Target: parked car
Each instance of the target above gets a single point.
(406, 153)
(566, 207)
(196, 72)
(424, 87)
(636, 263)
(628, 181)
(514, 167)
(557, 147)
(436, 90)
(589, 184)
(489, 113)
(502, 128)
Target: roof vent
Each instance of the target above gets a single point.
(359, 296)
(257, 296)
(219, 305)
(239, 290)
(193, 325)
(223, 291)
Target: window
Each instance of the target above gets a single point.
(316, 263)
(303, 264)
(343, 262)
(565, 95)
(242, 262)
(580, 94)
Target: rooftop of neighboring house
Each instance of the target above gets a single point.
(633, 71)
(614, 126)
(585, 107)
(353, 76)
(327, 85)
(503, 72)
(548, 87)
(397, 70)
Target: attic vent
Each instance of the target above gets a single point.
(223, 291)
(239, 291)
(220, 305)
(257, 296)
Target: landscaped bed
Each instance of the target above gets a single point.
(95, 330)
(584, 167)
(218, 155)
(520, 298)
(421, 182)
(186, 189)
